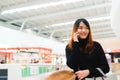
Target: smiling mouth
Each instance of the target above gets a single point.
(84, 34)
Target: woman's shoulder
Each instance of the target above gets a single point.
(96, 43)
(67, 46)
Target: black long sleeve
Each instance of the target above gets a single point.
(72, 56)
(78, 60)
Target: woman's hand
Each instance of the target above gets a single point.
(75, 37)
(82, 74)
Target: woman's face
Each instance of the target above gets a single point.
(83, 31)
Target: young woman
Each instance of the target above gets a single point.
(85, 56)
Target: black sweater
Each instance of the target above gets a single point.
(78, 60)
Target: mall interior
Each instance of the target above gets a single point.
(34, 34)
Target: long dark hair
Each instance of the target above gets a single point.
(89, 45)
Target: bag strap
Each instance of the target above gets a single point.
(100, 70)
(101, 78)
(94, 78)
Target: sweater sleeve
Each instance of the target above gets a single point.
(72, 56)
(102, 62)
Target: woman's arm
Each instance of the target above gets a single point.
(72, 56)
(102, 62)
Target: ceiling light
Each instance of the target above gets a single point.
(100, 18)
(60, 24)
(72, 22)
(66, 39)
(39, 6)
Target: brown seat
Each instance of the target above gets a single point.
(62, 75)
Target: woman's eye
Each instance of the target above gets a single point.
(79, 28)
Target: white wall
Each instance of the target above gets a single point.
(111, 43)
(115, 17)
(15, 38)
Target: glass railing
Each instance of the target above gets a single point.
(39, 69)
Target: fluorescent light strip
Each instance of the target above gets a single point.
(100, 18)
(71, 22)
(60, 24)
(39, 6)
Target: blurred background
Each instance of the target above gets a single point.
(34, 34)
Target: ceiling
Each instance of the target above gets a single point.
(55, 18)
